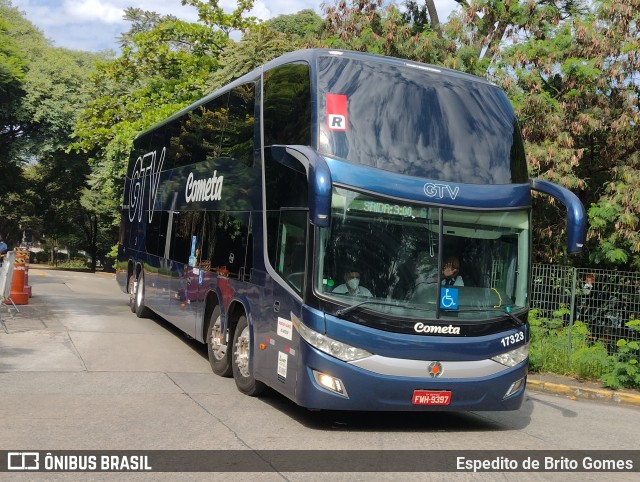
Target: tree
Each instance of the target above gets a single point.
(213, 15)
(39, 180)
(12, 69)
(303, 24)
(13, 66)
(141, 21)
(165, 65)
(572, 77)
(612, 133)
(374, 27)
(55, 88)
(259, 45)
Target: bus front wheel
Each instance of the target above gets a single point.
(241, 356)
(218, 353)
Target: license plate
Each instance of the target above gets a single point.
(431, 397)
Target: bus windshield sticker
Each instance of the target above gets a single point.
(282, 366)
(337, 118)
(192, 256)
(449, 298)
(285, 328)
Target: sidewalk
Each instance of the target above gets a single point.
(36, 316)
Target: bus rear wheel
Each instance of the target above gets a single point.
(131, 288)
(241, 356)
(141, 309)
(218, 353)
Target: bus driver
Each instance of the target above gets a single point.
(351, 285)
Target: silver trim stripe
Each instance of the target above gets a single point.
(399, 367)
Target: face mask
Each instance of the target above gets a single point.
(353, 283)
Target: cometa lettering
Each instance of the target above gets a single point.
(437, 329)
(209, 189)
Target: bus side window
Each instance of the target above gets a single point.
(291, 249)
(237, 137)
(225, 246)
(187, 228)
(287, 105)
(286, 189)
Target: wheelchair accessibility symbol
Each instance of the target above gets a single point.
(449, 298)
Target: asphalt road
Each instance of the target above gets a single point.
(78, 371)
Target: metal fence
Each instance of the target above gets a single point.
(604, 300)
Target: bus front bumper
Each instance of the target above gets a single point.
(327, 383)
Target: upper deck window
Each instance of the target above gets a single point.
(418, 122)
(287, 105)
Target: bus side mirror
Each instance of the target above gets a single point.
(319, 177)
(576, 216)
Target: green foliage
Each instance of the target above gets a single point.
(304, 24)
(549, 351)
(591, 362)
(258, 45)
(625, 371)
(12, 70)
(213, 15)
(373, 27)
(40, 183)
(76, 264)
(575, 88)
(13, 66)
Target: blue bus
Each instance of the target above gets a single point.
(303, 222)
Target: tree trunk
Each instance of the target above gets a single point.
(433, 15)
(94, 241)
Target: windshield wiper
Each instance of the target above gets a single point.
(349, 309)
(506, 311)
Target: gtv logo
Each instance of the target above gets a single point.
(440, 191)
(147, 167)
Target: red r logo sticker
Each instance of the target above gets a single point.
(337, 118)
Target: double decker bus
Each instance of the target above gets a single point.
(245, 214)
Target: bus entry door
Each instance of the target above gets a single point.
(290, 265)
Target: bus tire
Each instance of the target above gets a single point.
(219, 358)
(131, 288)
(241, 354)
(141, 310)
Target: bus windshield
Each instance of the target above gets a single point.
(394, 250)
(418, 120)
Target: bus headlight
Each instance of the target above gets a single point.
(330, 383)
(330, 346)
(513, 357)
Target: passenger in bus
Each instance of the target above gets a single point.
(427, 277)
(451, 272)
(351, 285)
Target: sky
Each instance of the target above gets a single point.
(94, 25)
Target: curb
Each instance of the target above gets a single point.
(576, 392)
